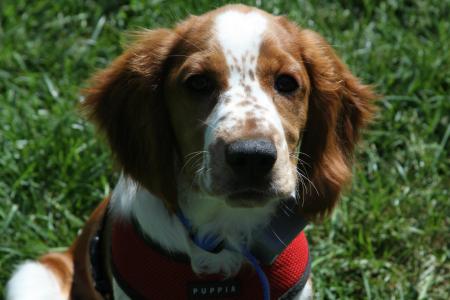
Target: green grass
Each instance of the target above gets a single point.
(389, 238)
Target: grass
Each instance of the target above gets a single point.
(389, 238)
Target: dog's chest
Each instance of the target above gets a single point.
(143, 270)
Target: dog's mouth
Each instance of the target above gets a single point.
(248, 198)
(242, 197)
(235, 191)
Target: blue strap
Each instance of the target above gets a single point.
(210, 242)
(261, 275)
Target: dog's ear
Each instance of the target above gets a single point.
(126, 102)
(339, 106)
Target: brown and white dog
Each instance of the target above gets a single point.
(221, 118)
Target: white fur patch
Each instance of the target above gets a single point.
(210, 214)
(33, 281)
(240, 32)
(122, 199)
(130, 199)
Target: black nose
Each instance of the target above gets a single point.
(251, 157)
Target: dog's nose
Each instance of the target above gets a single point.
(253, 158)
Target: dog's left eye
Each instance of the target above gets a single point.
(286, 84)
(200, 84)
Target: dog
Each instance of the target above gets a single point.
(214, 123)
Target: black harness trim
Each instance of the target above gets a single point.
(98, 269)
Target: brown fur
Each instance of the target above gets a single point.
(339, 107)
(72, 268)
(126, 103)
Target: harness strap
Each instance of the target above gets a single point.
(145, 271)
(102, 282)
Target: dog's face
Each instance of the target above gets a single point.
(237, 99)
(245, 106)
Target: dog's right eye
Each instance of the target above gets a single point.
(286, 84)
(200, 84)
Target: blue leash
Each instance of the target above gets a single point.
(210, 242)
(261, 275)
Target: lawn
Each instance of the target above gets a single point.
(389, 237)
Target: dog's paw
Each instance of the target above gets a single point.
(225, 262)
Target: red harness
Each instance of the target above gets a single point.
(145, 271)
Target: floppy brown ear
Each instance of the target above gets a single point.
(127, 104)
(339, 106)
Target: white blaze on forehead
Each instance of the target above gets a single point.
(240, 36)
(240, 33)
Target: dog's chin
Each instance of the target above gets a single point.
(248, 198)
(240, 197)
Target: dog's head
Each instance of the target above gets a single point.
(243, 106)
